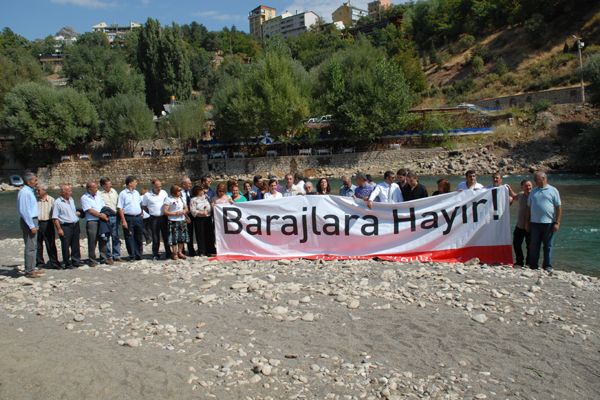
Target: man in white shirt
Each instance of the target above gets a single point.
(152, 203)
(290, 189)
(129, 206)
(387, 191)
(299, 182)
(110, 197)
(470, 182)
(92, 204)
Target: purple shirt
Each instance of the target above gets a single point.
(363, 191)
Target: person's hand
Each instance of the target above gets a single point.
(124, 223)
(103, 217)
(555, 227)
(33, 231)
(370, 204)
(60, 232)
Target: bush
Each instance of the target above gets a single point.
(541, 105)
(501, 67)
(591, 71)
(509, 79)
(587, 148)
(477, 65)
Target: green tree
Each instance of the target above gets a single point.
(94, 68)
(367, 94)
(313, 47)
(477, 65)
(164, 61)
(45, 118)
(186, 121)
(127, 120)
(591, 71)
(271, 94)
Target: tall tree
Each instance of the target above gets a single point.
(45, 118)
(127, 120)
(186, 121)
(367, 94)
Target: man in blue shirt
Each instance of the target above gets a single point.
(66, 221)
(129, 207)
(362, 190)
(544, 213)
(92, 204)
(347, 188)
(27, 208)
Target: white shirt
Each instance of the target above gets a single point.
(387, 193)
(155, 202)
(175, 204)
(463, 186)
(293, 191)
(91, 202)
(269, 195)
(300, 186)
(130, 202)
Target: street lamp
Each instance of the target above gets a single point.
(580, 45)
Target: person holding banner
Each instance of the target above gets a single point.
(347, 188)
(470, 182)
(221, 197)
(387, 191)
(273, 193)
(323, 186)
(363, 190)
(544, 215)
(176, 211)
(290, 188)
(415, 189)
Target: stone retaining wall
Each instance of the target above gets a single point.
(436, 161)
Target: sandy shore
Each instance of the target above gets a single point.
(297, 330)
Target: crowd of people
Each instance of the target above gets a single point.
(182, 217)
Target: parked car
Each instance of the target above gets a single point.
(325, 119)
(16, 180)
(466, 105)
(313, 120)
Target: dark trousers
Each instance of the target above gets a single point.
(160, 228)
(190, 244)
(205, 235)
(94, 239)
(70, 244)
(46, 235)
(518, 236)
(134, 235)
(147, 230)
(541, 234)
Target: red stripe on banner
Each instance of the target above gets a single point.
(486, 254)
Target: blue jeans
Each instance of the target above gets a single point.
(541, 234)
(114, 250)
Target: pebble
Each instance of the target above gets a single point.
(308, 317)
(133, 343)
(481, 318)
(79, 318)
(353, 304)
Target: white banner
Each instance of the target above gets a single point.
(456, 226)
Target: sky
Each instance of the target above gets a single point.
(36, 19)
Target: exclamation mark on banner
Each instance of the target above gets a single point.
(495, 203)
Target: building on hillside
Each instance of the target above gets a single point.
(287, 25)
(376, 8)
(348, 14)
(257, 18)
(115, 31)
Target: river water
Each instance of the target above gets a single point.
(576, 245)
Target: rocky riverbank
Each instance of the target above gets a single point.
(297, 329)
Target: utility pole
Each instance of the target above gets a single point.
(580, 45)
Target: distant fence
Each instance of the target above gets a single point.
(568, 95)
(450, 132)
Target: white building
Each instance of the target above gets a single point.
(114, 30)
(288, 25)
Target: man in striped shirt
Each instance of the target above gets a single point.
(46, 233)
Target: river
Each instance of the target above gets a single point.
(576, 244)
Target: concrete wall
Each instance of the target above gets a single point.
(555, 96)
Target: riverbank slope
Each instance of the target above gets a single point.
(297, 329)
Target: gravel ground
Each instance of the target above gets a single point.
(297, 330)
